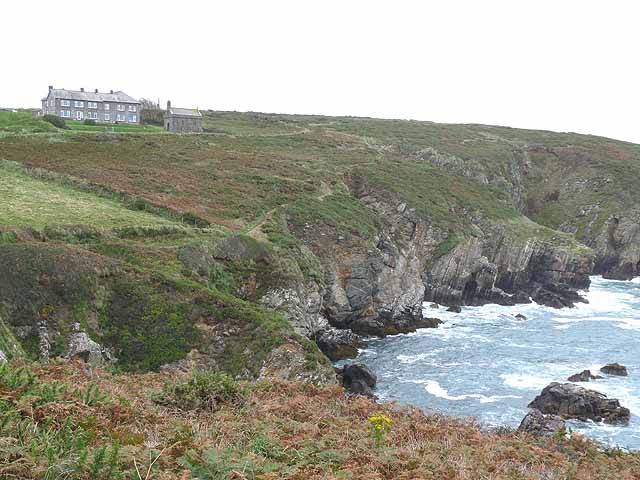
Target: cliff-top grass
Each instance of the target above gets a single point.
(29, 202)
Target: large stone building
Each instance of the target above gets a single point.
(112, 107)
(182, 120)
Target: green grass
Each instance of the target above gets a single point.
(27, 201)
(23, 122)
(117, 128)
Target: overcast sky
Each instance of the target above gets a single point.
(569, 65)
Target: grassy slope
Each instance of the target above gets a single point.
(117, 128)
(36, 203)
(102, 426)
(22, 122)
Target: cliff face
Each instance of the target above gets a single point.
(618, 247)
(376, 286)
(477, 272)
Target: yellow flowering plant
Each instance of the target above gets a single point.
(380, 426)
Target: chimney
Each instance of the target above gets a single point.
(168, 104)
(110, 91)
(50, 87)
(96, 90)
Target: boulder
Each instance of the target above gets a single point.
(454, 308)
(359, 379)
(3, 357)
(583, 376)
(615, 369)
(520, 316)
(81, 346)
(339, 344)
(572, 401)
(538, 423)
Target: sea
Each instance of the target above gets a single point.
(487, 364)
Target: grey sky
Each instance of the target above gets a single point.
(560, 65)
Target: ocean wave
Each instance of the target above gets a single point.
(434, 388)
(524, 381)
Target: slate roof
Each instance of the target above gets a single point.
(119, 96)
(184, 112)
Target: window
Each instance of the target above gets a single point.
(107, 117)
(132, 108)
(65, 103)
(92, 105)
(121, 108)
(133, 118)
(78, 103)
(120, 117)
(65, 113)
(106, 106)
(92, 115)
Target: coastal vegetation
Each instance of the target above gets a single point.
(223, 253)
(61, 421)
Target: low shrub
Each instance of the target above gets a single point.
(89, 121)
(55, 121)
(203, 390)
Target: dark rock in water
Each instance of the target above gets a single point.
(556, 295)
(454, 308)
(520, 316)
(434, 305)
(583, 376)
(615, 369)
(391, 322)
(339, 344)
(573, 401)
(537, 423)
(359, 379)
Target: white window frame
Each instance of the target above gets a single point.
(78, 103)
(107, 106)
(65, 103)
(107, 117)
(132, 108)
(92, 115)
(92, 104)
(120, 117)
(65, 113)
(121, 108)
(133, 119)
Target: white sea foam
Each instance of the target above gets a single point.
(524, 381)
(410, 359)
(434, 388)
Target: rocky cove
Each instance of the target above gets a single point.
(486, 363)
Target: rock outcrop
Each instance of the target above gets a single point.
(583, 376)
(358, 379)
(81, 346)
(339, 344)
(571, 401)
(289, 362)
(538, 423)
(615, 369)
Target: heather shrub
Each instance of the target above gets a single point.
(203, 390)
